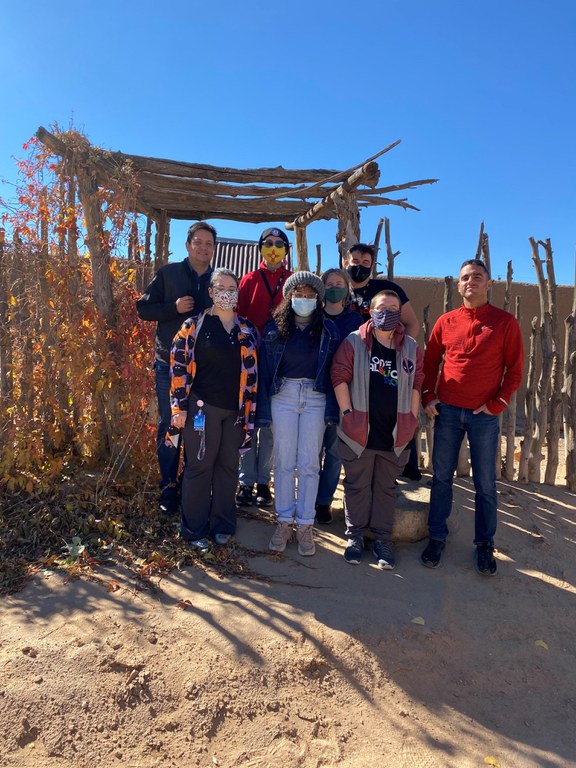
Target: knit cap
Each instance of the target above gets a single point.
(274, 232)
(304, 278)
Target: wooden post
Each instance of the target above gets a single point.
(547, 355)
(159, 255)
(511, 420)
(318, 259)
(147, 266)
(448, 283)
(376, 247)
(555, 399)
(529, 408)
(390, 255)
(97, 242)
(569, 395)
(301, 248)
(348, 232)
(6, 371)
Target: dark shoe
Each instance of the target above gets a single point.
(433, 553)
(384, 552)
(323, 514)
(169, 504)
(245, 496)
(222, 538)
(485, 562)
(353, 552)
(412, 474)
(263, 496)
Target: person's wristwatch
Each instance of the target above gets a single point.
(347, 411)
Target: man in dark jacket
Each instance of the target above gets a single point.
(177, 291)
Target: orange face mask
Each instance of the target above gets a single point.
(273, 255)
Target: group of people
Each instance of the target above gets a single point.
(301, 375)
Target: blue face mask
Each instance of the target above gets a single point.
(303, 307)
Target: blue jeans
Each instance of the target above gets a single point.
(298, 429)
(330, 473)
(256, 464)
(451, 425)
(168, 458)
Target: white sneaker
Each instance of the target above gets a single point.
(306, 546)
(280, 537)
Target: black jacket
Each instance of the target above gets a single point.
(158, 302)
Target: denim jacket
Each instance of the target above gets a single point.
(269, 383)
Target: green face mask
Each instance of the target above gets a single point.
(335, 294)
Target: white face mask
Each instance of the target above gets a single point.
(225, 299)
(303, 307)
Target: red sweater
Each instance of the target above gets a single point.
(255, 301)
(483, 359)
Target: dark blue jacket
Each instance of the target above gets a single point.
(158, 302)
(269, 383)
(346, 322)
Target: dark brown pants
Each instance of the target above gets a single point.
(370, 490)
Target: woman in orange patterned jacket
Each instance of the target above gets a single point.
(213, 375)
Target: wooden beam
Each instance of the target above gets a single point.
(367, 174)
(301, 248)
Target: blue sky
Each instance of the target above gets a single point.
(482, 97)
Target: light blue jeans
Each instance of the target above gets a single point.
(298, 429)
(256, 464)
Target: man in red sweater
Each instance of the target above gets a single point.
(260, 292)
(481, 349)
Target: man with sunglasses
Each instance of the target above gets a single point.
(260, 293)
(177, 291)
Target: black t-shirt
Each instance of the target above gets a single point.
(361, 297)
(300, 358)
(217, 357)
(383, 397)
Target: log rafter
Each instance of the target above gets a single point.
(190, 190)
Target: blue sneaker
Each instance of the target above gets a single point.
(384, 553)
(353, 552)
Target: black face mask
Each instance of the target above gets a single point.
(358, 273)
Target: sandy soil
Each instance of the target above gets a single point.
(318, 664)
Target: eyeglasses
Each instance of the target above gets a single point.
(274, 243)
(311, 294)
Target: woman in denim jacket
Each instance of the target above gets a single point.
(295, 396)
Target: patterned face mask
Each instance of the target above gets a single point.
(225, 299)
(385, 319)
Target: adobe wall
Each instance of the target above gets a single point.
(423, 291)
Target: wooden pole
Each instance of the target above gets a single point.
(318, 259)
(511, 419)
(376, 247)
(301, 248)
(555, 399)
(348, 232)
(569, 393)
(390, 255)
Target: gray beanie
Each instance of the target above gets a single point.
(304, 278)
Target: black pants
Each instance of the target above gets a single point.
(209, 485)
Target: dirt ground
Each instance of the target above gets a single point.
(318, 663)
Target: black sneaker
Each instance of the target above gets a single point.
(353, 552)
(433, 553)
(412, 474)
(485, 562)
(263, 495)
(169, 504)
(323, 514)
(245, 496)
(383, 551)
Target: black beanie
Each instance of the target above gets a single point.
(274, 232)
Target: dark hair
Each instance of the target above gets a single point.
(285, 317)
(198, 226)
(363, 248)
(386, 292)
(475, 263)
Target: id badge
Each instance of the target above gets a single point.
(199, 422)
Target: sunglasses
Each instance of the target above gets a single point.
(274, 243)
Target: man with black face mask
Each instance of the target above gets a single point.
(358, 263)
